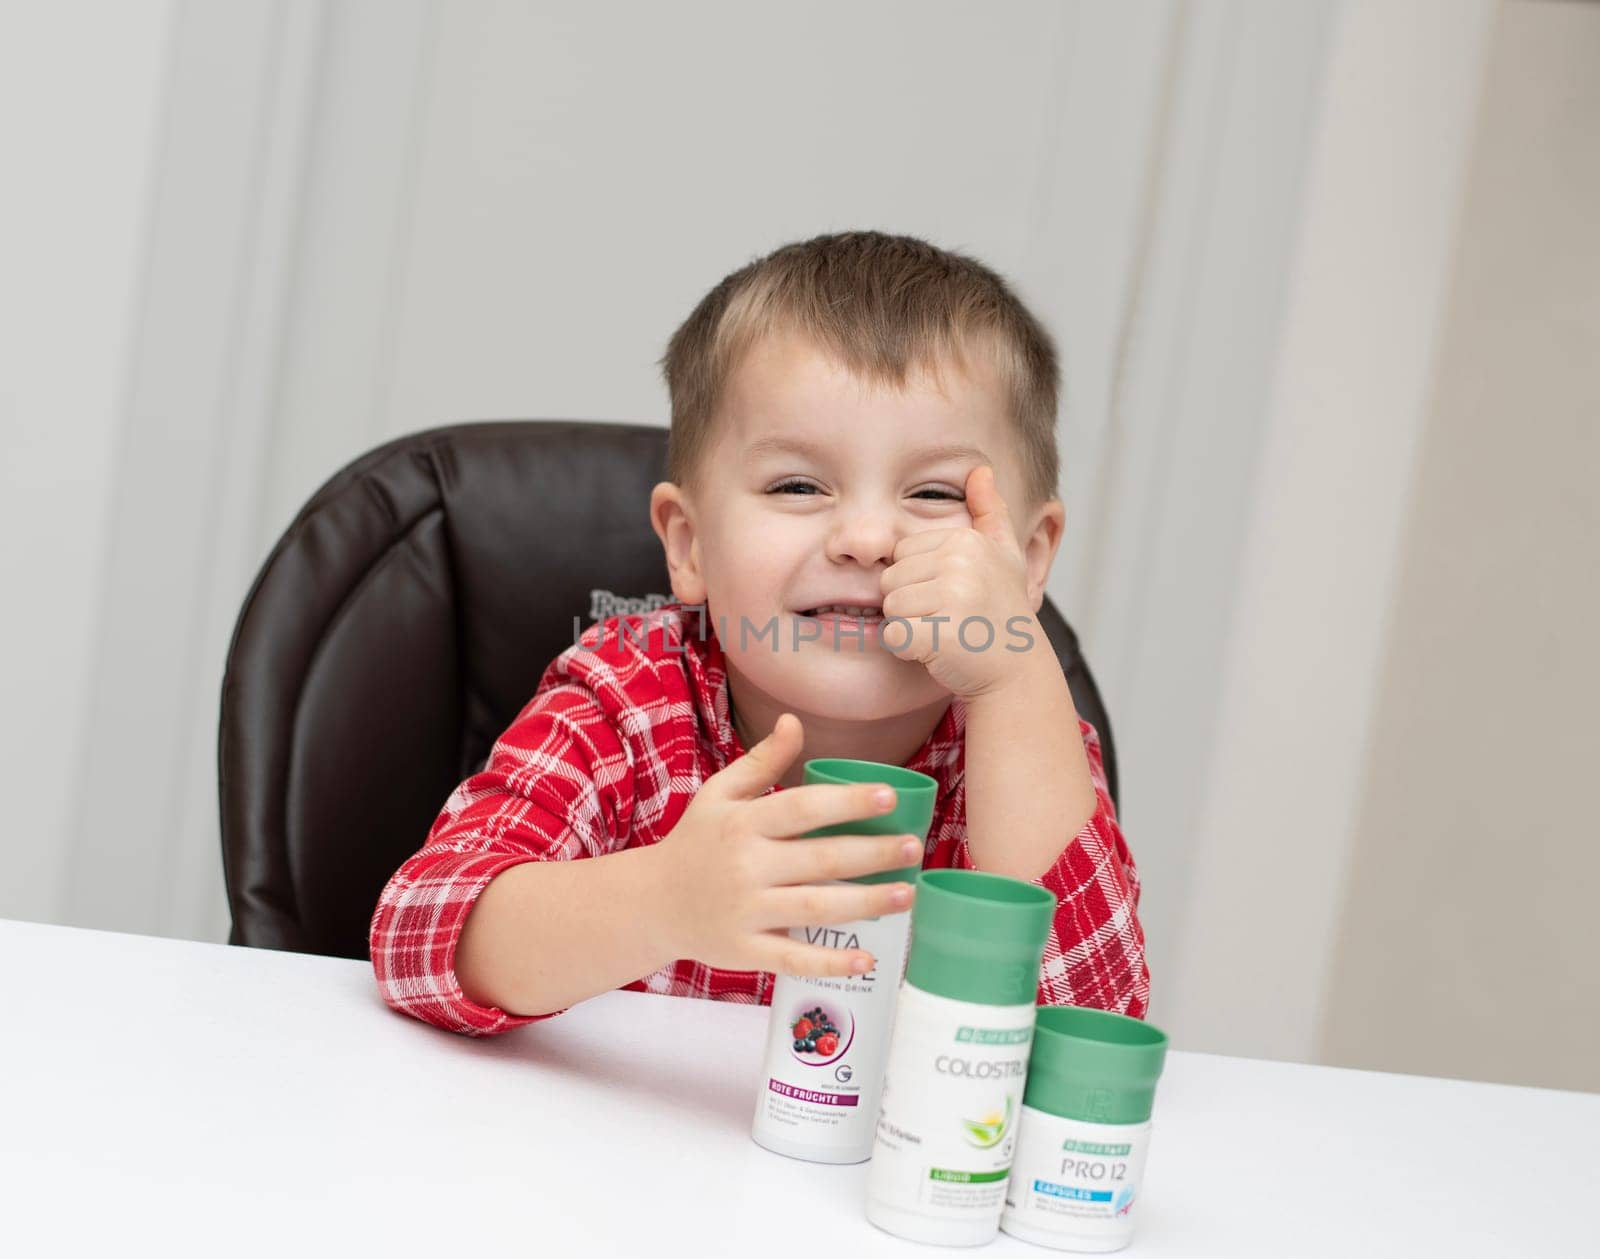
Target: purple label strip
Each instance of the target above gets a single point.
(811, 1095)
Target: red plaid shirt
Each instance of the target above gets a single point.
(615, 742)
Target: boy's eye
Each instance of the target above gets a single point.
(805, 487)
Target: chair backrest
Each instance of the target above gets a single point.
(395, 631)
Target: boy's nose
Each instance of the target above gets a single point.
(866, 537)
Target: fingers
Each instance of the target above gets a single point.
(840, 857)
(783, 955)
(802, 809)
(917, 599)
(822, 905)
(764, 764)
(910, 571)
(919, 543)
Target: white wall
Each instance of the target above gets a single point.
(1468, 940)
(81, 86)
(196, 412)
(1286, 760)
(1161, 466)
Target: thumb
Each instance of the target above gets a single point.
(764, 764)
(988, 510)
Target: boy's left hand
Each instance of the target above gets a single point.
(979, 571)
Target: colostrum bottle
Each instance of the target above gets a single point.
(958, 1059)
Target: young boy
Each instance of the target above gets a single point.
(858, 526)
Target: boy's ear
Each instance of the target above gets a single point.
(671, 519)
(1040, 545)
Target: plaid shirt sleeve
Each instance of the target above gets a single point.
(558, 785)
(1094, 955)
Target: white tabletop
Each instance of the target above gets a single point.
(200, 1099)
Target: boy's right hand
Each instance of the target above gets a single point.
(737, 877)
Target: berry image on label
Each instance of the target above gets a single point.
(820, 1035)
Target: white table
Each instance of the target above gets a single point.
(169, 1097)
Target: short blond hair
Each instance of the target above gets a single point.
(881, 305)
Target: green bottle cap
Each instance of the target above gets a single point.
(978, 937)
(1094, 1065)
(912, 813)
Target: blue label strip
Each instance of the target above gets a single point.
(1067, 1191)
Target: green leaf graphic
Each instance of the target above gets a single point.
(987, 1134)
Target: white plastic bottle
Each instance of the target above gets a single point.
(1084, 1130)
(828, 1038)
(958, 1059)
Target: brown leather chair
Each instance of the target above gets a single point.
(400, 624)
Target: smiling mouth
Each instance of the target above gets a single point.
(848, 612)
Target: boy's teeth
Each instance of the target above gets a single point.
(847, 610)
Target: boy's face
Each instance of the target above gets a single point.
(811, 479)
